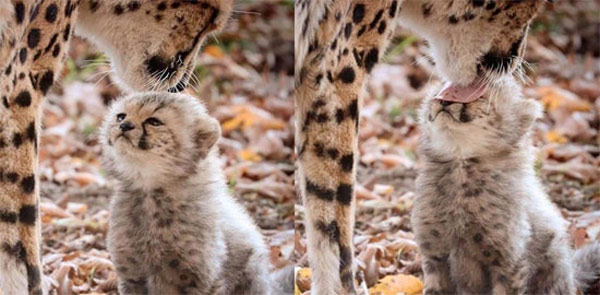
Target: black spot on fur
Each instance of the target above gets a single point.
(376, 19)
(162, 6)
(8, 217)
(51, 13)
(347, 162)
(478, 3)
(331, 230)
(28, 184)
(133, 6)
(453, 19)
(174, 263)
(344, 194)
(94, 5)
(353, 109)
(333, 153)
(118, 10)
(23, 98)
(393, 8)
(348, 30)
(33, 38)
(20, 12)
(426, 9)
(46, 81)
(359, 13)
(56, 50)
(371, 59)
(321, 192)
(28, 214)
(67, 32)
(17, 140)
(33, 276)
(435, 233)
(12, 177)
(381, 28)
(347, 75)
(23, 55)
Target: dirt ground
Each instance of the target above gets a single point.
(563, 73)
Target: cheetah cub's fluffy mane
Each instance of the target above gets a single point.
(482, 210)
(174, 227)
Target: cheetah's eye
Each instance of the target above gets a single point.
(121, 117)
(154, 122)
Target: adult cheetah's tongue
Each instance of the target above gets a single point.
(462, 94)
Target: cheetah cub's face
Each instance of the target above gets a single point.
(494, 123)
(154, 137)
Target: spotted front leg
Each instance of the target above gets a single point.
(39, 35)
(347, 40)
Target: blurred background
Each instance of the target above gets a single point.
(244, 75)
(563, 74)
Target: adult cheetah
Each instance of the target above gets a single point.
(473, 43)
(152, 45)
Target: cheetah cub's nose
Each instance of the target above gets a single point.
(126, 126)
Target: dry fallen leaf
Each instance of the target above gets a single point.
(303, 279)
(397, 285)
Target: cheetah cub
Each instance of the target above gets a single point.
(174, 228)
(481, 219)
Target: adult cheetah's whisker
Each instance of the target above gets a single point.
(246, 12)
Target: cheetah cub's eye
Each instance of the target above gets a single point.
(121, 117)
(154, 122)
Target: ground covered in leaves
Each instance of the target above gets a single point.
(244, 75)
(563, 73)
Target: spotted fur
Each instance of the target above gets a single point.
(174, 228)
(337, 45)
(482, 220)
(34, 37)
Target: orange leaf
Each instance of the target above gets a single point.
(303, 278)
(214, 51)
(397, 285)
(554, 136)
(249, 155)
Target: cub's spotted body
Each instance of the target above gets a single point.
(481, 218)
(174, 228)
(34, 37)
(337, 44)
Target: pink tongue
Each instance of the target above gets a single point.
(462, 94)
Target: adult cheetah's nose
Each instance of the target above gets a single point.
(445, 103)
(126, 126)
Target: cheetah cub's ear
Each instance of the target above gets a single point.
(207, 133)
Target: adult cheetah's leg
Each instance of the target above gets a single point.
(23, 83)
(346, 41)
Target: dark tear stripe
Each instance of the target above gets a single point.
(319, 191)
